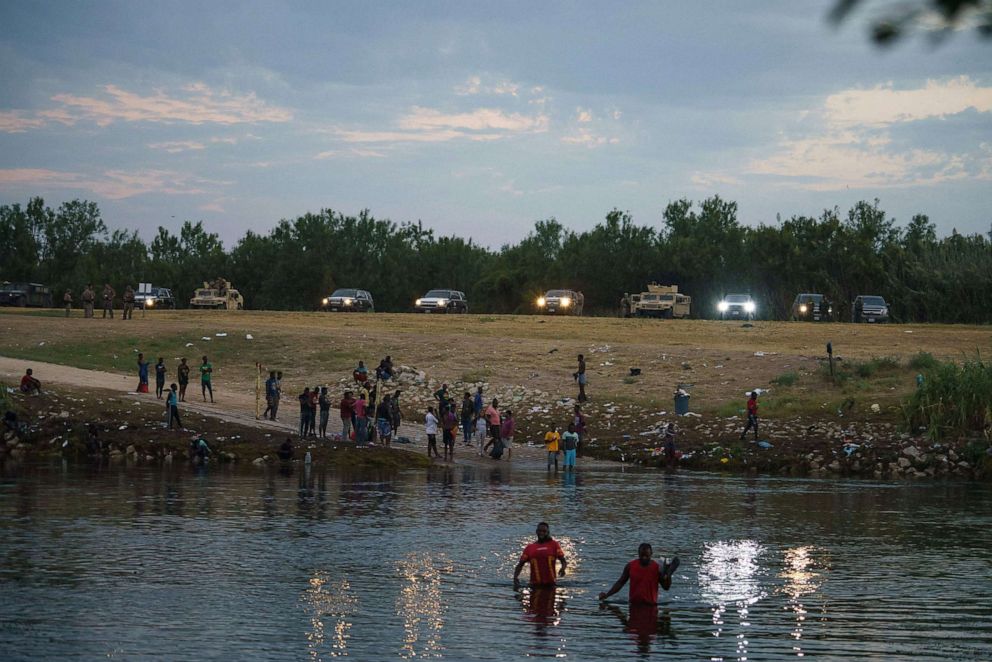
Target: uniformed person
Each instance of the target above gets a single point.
(625, 305)
(108, 300)
(88, 297)
(128, 302)
(67, 300)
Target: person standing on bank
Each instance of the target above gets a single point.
(570, 442)
(128, 302)
(172, 407)
(88, 297)
(142, 374)
(580, 378)
(159, 377)
(108, 300)
(67, 300)
(182, 372)
(206, 371)
(752, 416)
(430, 429)
(270, 395)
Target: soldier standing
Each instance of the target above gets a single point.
(67, 300)
(108, 300)
(88, 296)
(625, 305)
(128, 302)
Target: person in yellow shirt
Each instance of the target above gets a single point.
(552, 442)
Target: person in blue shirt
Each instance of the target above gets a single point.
(172, 407)
(271, 393)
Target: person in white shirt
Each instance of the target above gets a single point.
(481, 432)
(430, 427)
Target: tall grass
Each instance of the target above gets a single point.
(954, 400)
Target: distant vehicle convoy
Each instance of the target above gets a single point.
(661, 301)
(561, 302)
(218, 295)
(811, 307)
(23, 295)
(869, 308)
(737, 306)
(442, 301)
(347, 300)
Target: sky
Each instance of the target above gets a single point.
(480, 119)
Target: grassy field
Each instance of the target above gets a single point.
(720, 360)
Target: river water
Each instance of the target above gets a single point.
(177, 563)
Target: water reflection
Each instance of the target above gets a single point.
(728, 578)
(644, 622)
(800, 580)
(543, 606)
(330, 602)
(420, 604)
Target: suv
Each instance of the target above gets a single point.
(156, 297)
(565, 302)
(737, 306)
(869, 308)
(348, 301)
(812, 308)
(442, 301)
(25, 294)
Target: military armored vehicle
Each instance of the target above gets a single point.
(661, 301)
(25, 294)
(219, 295)
(561, 302)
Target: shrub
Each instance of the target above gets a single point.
(954, 400)
(923, 361)
(786, 378)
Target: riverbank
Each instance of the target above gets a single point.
(812, 422)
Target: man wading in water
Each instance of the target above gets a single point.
(542, 556)
(645, 576)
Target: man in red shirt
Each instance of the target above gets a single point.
(542, 556)
(645, 576)
(752, 416)
(347, 412)
(29, 384)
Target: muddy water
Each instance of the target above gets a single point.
(135, 563)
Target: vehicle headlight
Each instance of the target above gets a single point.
(802, 308)
(417, 302)
(566, 302)
(326, 301)
(749, 307)
(830, 309)
(150, 303)
(541, 302)
(885, 311)
(347, 302)
(723, 306)
(442, 302)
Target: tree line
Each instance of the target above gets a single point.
(701, 247)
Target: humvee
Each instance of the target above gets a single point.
(219, 295)
(25, 294)
(661, 301)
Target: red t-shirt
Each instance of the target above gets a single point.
(643, 582)
(359, 408)
(752, 407)
(541, 556)
(346, 407)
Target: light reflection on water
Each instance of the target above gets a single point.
(129, 563)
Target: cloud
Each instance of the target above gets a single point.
(15, 121)
(176, 146)
(583, 115)
(431, 125)
(588, 138)
(474, 85)
(849, 143)
(354, 151)
(850, 160)
(883, 105)
(112, 184)
(477, 120)
(193, 104)
(711, 180)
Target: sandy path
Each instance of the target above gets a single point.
(233, 407)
